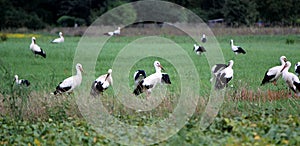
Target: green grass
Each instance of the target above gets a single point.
(241, 119)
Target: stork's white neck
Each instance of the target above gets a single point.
(286, 67)
(282, 62)
(16, 79)
(157, 69)
(78, 71)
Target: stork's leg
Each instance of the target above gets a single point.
(290, 91)
(274, 83)
(148, 92)
(147, 95)
(290, 94)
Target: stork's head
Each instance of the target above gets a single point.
(283, 58)
(109, 71)
(16, 77)
(230, 63)
(158, 65)
(79, 67)
(286, 66)
(33, 39)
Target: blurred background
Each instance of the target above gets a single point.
(41, 14)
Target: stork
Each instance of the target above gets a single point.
(60, 39)
(37, 50)
(203, 39)
(102, 83)
(151, 81)
(216, 69)
(21, 81)
(291, 79)
(70, 83)
(199, 49)
(141, 74)
(224, 76)
(297, 68)
(274, 73)
(118, 31)
(115, 32)
(237, 49)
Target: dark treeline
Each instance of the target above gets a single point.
(37, 14)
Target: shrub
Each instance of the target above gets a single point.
(3, 37)
(69, 21)
(17, 18)
(34, 22)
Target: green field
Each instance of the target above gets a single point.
(251, 114)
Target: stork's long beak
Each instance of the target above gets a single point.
(283, 67)
(107, 76)
(284, 59)
(162, 68)
(81, 69)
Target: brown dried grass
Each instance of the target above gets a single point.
(243, 94)
(40, 104)
(170, 30)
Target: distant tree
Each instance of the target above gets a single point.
(69, 21)
(210, 9)
(278, 12)
(36, 14)
(240, 12)
(75, 8)
(124, 15)
(4, 7)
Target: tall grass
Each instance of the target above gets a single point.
(263, 52)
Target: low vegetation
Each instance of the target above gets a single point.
(251, 114)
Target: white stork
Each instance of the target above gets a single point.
(274, 73)
(138, 76)
(115, 32)
(118, 31)
(215, 70)
(297, 68)
(60, 39)
(199, 49)
(291, 79)
(21, 81)
(141, 74)
(237, 49)
(36, 49)
(102, 83)
(165, 79)
(70, 83)
(110, 33)
(203, 39)
(151, 81)
(224, 76)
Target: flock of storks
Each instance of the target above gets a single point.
(222, 73)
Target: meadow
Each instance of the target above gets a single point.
(251, 114)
